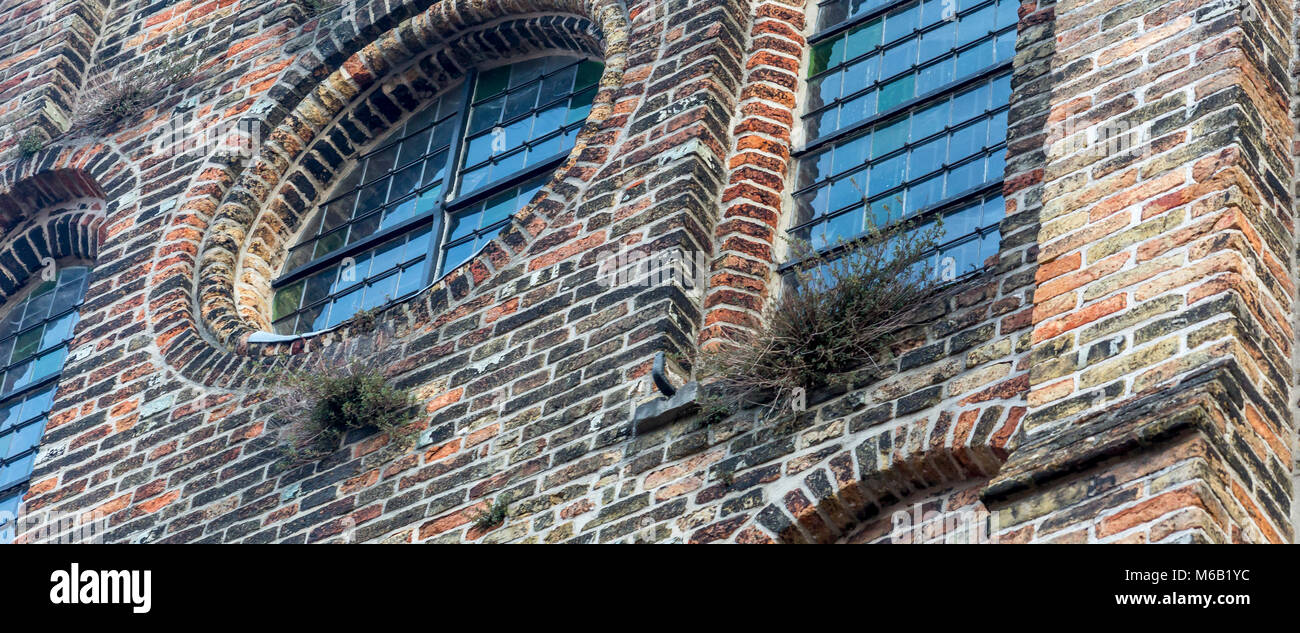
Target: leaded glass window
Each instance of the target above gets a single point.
(435, 191)
(906, 118)
(34, 337)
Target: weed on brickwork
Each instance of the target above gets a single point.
(31, 144)
(313, 8)
(321, 407)
(494, 516)
(365, 320)
(836, 317)
(118, 96)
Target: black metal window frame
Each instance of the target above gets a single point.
(447, 204)
(948, 203)
(21, 395)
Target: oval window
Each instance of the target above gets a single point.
(432, 193)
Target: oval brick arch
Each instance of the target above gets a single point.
(246, 240)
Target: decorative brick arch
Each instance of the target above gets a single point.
(66, 230)
(248, 236)
(883, 468)
(40, 189)
(59, 203)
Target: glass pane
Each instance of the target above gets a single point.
(457, 255)
(462, 224)
(27, 344)
(365, 227)
(48, 364)
(345, 307)
(380, 292)
(12, 320)
(372, 197)
(329, 243)
(387, 256)
(413, 148)
(17, 471)
(381, 162)
(286, 300)
(405, 182)
(38, 307)
(556, 86)
(68, 295)
(412, 278)
(399, 213)
(486, 115)
(58, 330)
(588, 74)
(491, 82)
(9, 415)
(520, 102)
(338, 212)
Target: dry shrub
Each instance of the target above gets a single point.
(320, 407)
(119, 95)
(837, 315)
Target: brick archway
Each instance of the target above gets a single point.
(67, 230)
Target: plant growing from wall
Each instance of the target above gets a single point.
(313, 8)
(838, 315)
(321, 407)
(365, 320)
(30, 144)
(120, 95)
(493, 516)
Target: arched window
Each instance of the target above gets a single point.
(432, 193)
(906, 117)
(34, 335)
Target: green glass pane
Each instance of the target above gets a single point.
(42, 289)
(824, 55)
(491, 82)
(286, 300)
(329, 243)
(28, 343)
(588, 74)
(862, 39)
(897, 91)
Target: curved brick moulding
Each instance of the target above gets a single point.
(1117, 373)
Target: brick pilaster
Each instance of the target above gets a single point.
(1165, 278)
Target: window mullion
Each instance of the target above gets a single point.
(436, 235)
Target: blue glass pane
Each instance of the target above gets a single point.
(546, 98)
(50, 314)
(926, 47)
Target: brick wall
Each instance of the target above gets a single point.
(1121, 371)
(46, 48)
